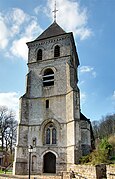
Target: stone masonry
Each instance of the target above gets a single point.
(50, 115)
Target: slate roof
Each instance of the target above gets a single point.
(53, 30)
(82, 117)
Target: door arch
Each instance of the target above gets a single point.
(49, 162)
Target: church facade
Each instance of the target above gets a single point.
(50, 118)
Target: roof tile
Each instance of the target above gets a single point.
(53, 30)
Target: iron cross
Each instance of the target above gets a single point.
(55, 11)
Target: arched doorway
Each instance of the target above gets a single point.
(49, 163)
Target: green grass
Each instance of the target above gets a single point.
(7, 172)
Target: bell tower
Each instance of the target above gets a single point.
(50, 108)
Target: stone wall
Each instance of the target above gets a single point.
(81, 172)
(101, 171)
(87, 171)
(110, 170)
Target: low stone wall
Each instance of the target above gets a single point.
(81, 171)
(66, 175)
(94, 172)
(86, 171)
(110, 170)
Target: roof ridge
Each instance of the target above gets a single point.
(53, 30)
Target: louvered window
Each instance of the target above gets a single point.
(48, 77)
(57, 51)
(39, 55)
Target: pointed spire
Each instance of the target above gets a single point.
(55, 11)
(53, 30)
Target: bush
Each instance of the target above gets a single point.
(101, 155)
(84, 159)
(111, 140)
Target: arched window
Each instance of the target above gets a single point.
(53, 136)
(39, 55)
(48, 77)
(50, 134)
(57, 51)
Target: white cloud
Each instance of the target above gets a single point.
(38, 9)
(94, 74)
(87, 69)
(82, 97)
(19, 47)
(113, 96)
(10, 23)
(17, 27)
(18, 18)
(83, 32)
(81, 82)
(3, 33)
(32, 29)
(11, 100)
(71, 17)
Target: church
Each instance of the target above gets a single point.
(50, 117)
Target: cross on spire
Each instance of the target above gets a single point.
(55, 11)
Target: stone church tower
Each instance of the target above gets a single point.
(50, 108)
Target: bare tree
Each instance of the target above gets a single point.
(95, 125)
(105, 127)
(8, 126)
(12, 134)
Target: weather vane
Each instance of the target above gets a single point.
(55, 11)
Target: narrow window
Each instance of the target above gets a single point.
(47, 103)
(53, 136)
(57, 51)
(48, 136)
(34, 142)
(48, 77)
(39, 55)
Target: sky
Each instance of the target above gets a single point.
(93, 25)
